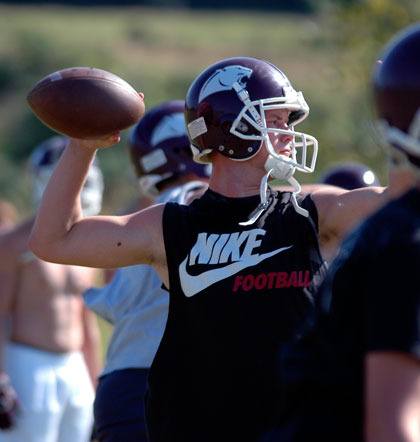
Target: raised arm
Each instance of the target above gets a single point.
(62, 235)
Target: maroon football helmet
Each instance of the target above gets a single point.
(396, 83)
(225, 112)
(159, 148)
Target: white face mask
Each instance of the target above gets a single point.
(254, 113)
(279, 166)
(91, 196)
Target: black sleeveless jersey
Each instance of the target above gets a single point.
(238, 295)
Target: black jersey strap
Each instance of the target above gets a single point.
(306, 201)
(175, 227)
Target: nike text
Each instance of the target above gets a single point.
(235, 250)
(220, 249)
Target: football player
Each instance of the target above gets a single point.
(369, 381)
(49, 343)
(240, 262)
(134, 302)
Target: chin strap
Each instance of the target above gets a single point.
(265, 197)
(279, 170)
(296, 189)
(283, 169)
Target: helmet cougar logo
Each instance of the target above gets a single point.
(224, 79)
(171, 126)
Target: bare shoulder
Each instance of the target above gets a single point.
(151, 249)
(147, 215)
(153, 212)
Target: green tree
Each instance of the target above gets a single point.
(357, 31)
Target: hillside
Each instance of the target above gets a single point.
(160, 51)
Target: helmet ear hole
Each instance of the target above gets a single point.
(225, 126)
(243, 128)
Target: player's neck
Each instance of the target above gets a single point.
(236, 179)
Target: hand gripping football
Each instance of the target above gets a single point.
(86, 103)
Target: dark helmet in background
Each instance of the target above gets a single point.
(350, 176)
(396, 85)
(42, 162)
(160, 148)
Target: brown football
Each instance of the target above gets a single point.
(84, 102)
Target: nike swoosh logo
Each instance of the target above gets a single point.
(191, 285)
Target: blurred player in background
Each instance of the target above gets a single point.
(49, 342)
(241, 262)
(8, 215)
(369, 380)
(350, 176)
(134, 302)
